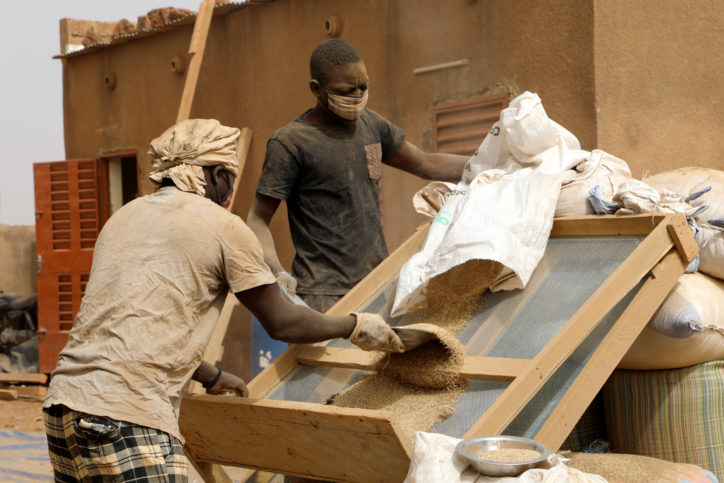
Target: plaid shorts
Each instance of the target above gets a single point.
(93, 448)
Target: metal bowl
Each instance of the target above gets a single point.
(471, 449)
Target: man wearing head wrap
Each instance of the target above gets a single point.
(162, 267)
(327, 164)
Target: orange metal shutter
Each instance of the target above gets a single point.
(66, 226)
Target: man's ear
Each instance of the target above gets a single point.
(315, 87)
(216, 171)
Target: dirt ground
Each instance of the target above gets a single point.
(21, 415)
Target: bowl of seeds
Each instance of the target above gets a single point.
(502, 455)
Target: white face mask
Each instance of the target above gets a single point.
(347, 107)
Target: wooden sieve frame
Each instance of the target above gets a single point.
(348, 444)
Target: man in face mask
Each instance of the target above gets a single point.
(326, 164)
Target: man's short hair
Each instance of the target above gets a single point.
(330, 54)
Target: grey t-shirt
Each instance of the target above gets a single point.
(329, 177)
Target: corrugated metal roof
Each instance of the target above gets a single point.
(221, 9)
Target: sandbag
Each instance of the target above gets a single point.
(710, 239)
(602, 169)
(695, 304)
(635, 196)
(673, 414)
(690, 180)
(693, 317)
(631, 468)
(687, 329)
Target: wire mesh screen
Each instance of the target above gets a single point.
(511, 324)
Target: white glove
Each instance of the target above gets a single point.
(373, 333)
(287, 283)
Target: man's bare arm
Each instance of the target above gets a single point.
(260, 214)
(432, 166)
(290, 322)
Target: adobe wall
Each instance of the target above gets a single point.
(659, 71)
(17, 259)
(255, 74)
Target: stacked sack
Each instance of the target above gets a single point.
(688, 328)
(666, 399)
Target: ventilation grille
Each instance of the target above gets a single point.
(71, 288)
(460, 127)
(64, 180)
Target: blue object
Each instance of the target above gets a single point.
(600, 205)
(264, 349)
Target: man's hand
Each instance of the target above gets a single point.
(229, 385)
(373, 333)
(287, 283)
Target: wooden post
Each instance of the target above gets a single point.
(196, 55)
(215, 349)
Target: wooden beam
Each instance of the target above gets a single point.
(33, 392)
(8, 394)
(606, 225)
(294, 438)
(483, 368)
(643, 258)
(685, 243)
(209, 472)
(23, 378)
(610, 352)
(196, 55)
(215, 349)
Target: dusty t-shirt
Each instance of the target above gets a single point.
(162, 267)
(329, 177)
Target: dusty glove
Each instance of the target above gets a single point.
(287, 283)
(228, 385)
(373, 333)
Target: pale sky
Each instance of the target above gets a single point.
(31, 90)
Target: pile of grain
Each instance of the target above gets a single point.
(453, 295)
(510, 455)
(629, 468)
(422, 386)
(415, 408)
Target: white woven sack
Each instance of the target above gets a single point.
(686, 181)
(711, 250)
(600, 169)
(697, 301)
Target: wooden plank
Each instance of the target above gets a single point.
(610, 352)
(483, 368)
(196, 55)
(209, 472)
(644, 257)
(8, 394)
(302, 439)
(215, 348)
(606, 225)
(37, 392)
(23, 378)
(685, 243)
(373, 283)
